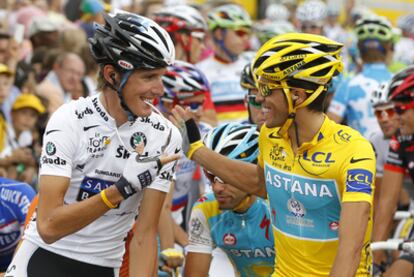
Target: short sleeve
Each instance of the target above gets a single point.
(200, 240)
(358, 173)
(59, 143)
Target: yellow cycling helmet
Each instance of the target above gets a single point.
(297, 60)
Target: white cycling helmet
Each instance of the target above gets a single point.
(181, 17)
(380, 95)
(312, 11)
(277, 12)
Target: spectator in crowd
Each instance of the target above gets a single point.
(43, 31)
(25, 112)
(68, 71)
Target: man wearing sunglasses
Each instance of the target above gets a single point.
(229, 218)
(254, 108)
(230, 27)
(399, 161)
(318, 175)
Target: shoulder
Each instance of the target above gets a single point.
(8, 185)
(208, 205)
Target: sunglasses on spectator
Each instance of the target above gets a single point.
(402, 108)
(384, 113)
(251, 100)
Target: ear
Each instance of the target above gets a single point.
(218, 34)
(298, 96)
(110, 74)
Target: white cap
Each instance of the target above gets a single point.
(42, 24)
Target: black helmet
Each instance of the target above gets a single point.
(130, 41)
(246, 78)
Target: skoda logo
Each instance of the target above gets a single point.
(50, 148)
(137, 138)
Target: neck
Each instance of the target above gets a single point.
(115, 110)
(308, 124)
(245, 204)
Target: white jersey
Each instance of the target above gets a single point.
(82, 143)
(226, 92)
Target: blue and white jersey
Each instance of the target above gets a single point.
(15, 198)
(352, 98)
(246, 238)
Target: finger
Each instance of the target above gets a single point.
(140, 148)
(172, 119)
(168, 159)
(166, 269)
(176, 115)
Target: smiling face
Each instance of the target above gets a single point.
(406, 114)
(387, 119)
(143, 86)
(274, 108)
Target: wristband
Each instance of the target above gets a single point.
(194, 147)
(124, 188)
(192, 131)
(106, 200)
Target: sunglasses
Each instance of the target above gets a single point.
(384, 113)
(242, 32)
(251, 100)
(198, 35)
(402, 108)
(266, 90)
(213, 179)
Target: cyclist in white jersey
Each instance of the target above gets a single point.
(230, 28)
(91, 179)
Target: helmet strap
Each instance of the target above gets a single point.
(131, 116)
(220, 42)
(186, 46)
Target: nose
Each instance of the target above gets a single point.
(158, 88)
(218, 187)
(259, 98)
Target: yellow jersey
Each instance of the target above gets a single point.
(305, 191)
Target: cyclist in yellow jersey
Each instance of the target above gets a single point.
(318, 175)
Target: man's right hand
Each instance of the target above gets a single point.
(139, 172)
